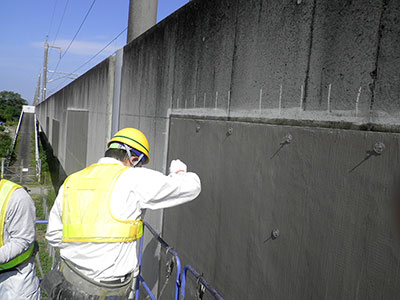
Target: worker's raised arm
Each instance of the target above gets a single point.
(156, 190)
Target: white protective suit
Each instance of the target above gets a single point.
(19, 235)
(136, 189)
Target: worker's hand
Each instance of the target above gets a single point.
(177, 166)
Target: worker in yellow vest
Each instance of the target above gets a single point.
(97, 217)
(17, 239)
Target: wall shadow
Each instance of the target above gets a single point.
(57, 172)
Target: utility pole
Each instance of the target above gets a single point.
(45, 62)
(37, 92)
(142, 16)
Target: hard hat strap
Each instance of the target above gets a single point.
(138, 161)
(128, 151)
(129, 155)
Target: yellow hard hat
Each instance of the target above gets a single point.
(133, 138)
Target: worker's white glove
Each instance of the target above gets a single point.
(177, 166)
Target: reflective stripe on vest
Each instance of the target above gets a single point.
(87, 215)
(6, 190)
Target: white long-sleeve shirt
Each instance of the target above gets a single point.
(18, 236)
(136, 189)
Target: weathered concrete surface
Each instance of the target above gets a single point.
(255, 59)
(92, 92)
(243, 57)
(183, 60)
(343, 47)
(338, 232)
(77, 135)
(55, 136)
(271, 50)
(188, 58)
(386, 90)
(205, 42)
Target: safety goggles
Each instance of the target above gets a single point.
(129, 150)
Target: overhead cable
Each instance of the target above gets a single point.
(104, 48)
(80, 27)
(94, 56)
(61, 21)
(52, 17)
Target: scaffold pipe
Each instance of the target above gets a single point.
(200, 279)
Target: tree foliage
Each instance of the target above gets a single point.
(5, 144)
(10, 106)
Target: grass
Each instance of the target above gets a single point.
(50, 194)
(40, 235)
(44, 256)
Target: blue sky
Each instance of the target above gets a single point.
(24, 25)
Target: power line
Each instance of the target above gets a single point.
(79, 29)
(61, 21)
(52, 17)
(94, 56)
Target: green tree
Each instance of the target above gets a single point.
(5, 144)
(10, 106)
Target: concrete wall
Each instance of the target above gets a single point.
(77, 119)
(338, 234)
(76, 149)
(303, 60)
(302, 65)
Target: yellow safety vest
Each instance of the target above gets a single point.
(6, 190)
(87, 215)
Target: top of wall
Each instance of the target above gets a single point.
(319, 61)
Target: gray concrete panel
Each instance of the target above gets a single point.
(387, 90)
(93, 92)
(186, 58)
(77, 140)
(55, 137)
(271, 53)
(344, 41)
(338, 233)
(205, 44)
(130, 97)
(160, 144)
(47, 128)
(97, 137)
(167, 58)
(117, 92)
(129, 121)
(148, 127)
(142, 74)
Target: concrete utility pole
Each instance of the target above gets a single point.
(45, 62)
(142, 16)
